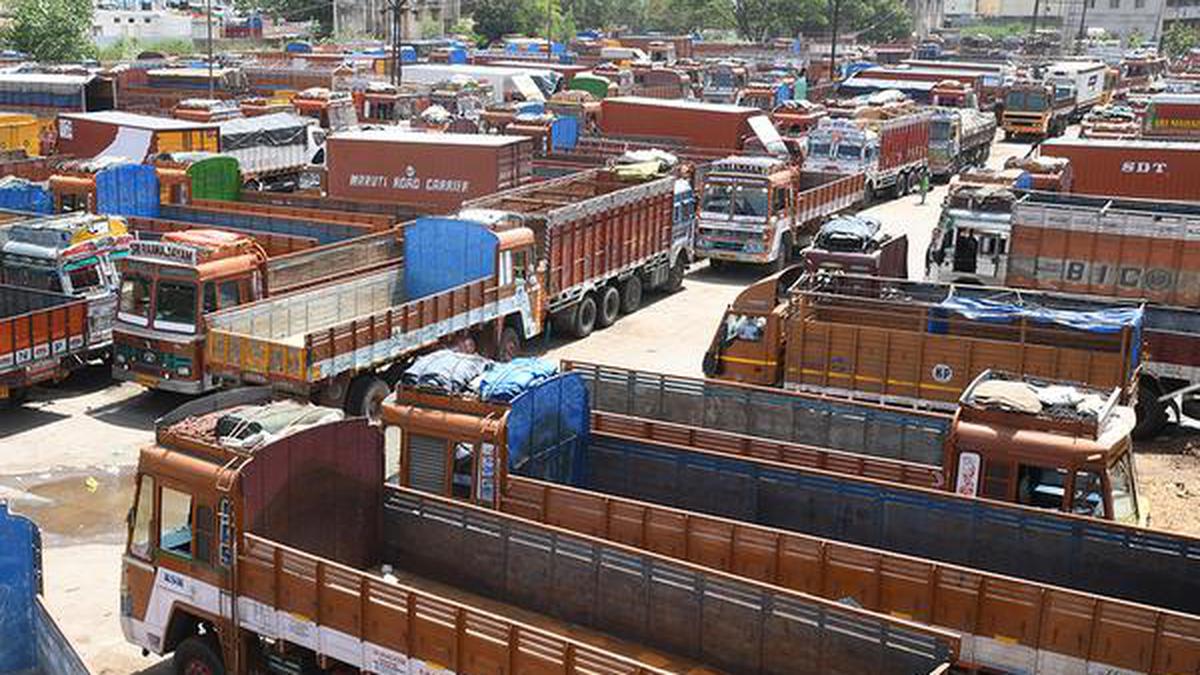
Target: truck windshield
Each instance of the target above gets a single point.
(135, 298)
(848, 151)
(750, 201)
(1033, 101)
(818, 148)
(1120, 475)
(717, 197)
(175, 306)
(86, 277)
(939, 130)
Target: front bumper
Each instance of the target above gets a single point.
(178, 385)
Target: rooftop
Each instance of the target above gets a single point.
(387, 135)
(126, 119)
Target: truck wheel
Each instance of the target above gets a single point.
(610, 307)
(196, 656)
(631, 295)
(509, 347)
(365, 396)
(585, 317)
(675, 278)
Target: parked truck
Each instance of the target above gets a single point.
(682, 467)
(1086, 78)
(762, 209)
(857, 245)
(1140, 169)
(890, 147)
(1037, 109)
(113, 133)
(33, 642)
(999, 636)
(696, 124)
(489, 280)
(75, 254)
(171, 283)
(959, 138)
(352, 560)
(1172, 116)
(42, 335)
(272, 151)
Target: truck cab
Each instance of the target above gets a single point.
(333, 110)
(75, 254)
(747, 209)
(971, 241)
(1037, 109)
(1045, 444)
(723, 81)
(168, 285)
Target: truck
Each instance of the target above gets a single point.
(761, 210)
(958, 138)
(695, 124)
(999, 636)
(114, 133)
(272, 150)
(434, 171)
(1138, 169)
(722, 80)
(1086, 78)
(33, 642)
(980, 213)
(888, 144)
(488, 280)
(363, 592)
(855, 336)
(681, 468)
(42, 334)
(858, 245)
(1172, 116)
(1037, 109)
(332, 110)
(74, 254)
(171, 283)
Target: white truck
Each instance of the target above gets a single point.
(272, 150)
(958, 138)
(1085, 78)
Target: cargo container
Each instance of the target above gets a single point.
(1145, 169)
(999, 635)
(172, 282)
(434, 171)
(398, 605)
(271, 150)
(693, 123)
(683, 470)
(135, 137)
(47, 94)
(1172, 116)
(33, 642)
(763, 210)
(39, 333)
(1086, 79)
(888, 145)
(75, 254)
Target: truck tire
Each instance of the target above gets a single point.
(196, 656)
(675, 277)
(365, 395)
(631, 295)
(610, 307)
(585, 317)
(509, 346)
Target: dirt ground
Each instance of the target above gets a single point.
(1168, 479)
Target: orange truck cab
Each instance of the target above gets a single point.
(167, 286)
(332, 109)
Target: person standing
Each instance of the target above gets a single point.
(924, 185)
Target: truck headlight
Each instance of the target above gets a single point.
(184, 371)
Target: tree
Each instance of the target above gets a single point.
(1180, 39)
(874, 20)
(50, 31)
(496, 18)
(685, 16)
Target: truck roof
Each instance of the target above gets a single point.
(209, 251)
(681, 104)
(127, 119)
(56, 234)
(1120, 144)
(392, 135)
(758, 166)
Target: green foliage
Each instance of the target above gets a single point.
(998, 31)
(1135, 38)
(1179, 39)
(874, 20)
(126, 49)
(685, 16)
(494, 19)
(320, 13)
(51, 31)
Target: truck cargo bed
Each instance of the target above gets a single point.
(323, 231)
(1008, 624)
(731, 624)
(37, 330)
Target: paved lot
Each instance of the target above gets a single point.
(67, 456)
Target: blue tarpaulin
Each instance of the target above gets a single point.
(17, 194)
(20, 568)
(442, 253)
(128, 190)
(548, 429)
(506, 381)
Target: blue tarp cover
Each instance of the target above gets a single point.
(548, 429)
(506, 381)
(442, 253)
(19, 571)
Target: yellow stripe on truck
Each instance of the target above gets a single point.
(866, 378)
(751, 362)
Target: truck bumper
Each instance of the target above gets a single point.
(174, 385)
(734, 256)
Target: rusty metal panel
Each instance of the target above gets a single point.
(318, 490)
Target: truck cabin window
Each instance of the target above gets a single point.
(849, 151)
(744, 328)
(175, 522)
(86, 277)
(462, 480)
(717, 197)
(750, 201)
(939, 130)
(1124, 498)
(1041, 487)
(1087, 498)
(818, 149)
(135, 298)
(143, 513)
(175, 306)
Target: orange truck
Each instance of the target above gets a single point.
(39, 332)
(364, 575)
(999, 635)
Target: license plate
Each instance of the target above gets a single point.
(146, 380)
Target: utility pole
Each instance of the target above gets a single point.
(1037, 6)
(211, 87)
(1082, 27)
(835, 7)
(335, 19)
(549, 25)
(395, 9)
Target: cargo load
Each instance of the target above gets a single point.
(436, 171)
(270, 149)
(134, 137)
(1172, 116)
(1142, 169)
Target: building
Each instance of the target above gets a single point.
(149, 24)
(421, 19)
(1121, 18)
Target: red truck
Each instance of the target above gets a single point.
(1141, 169)
(889, 144)
(1172, 116)
(693, 123)
(39, 332)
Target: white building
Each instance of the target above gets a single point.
(145, 25)
(1117, 17)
